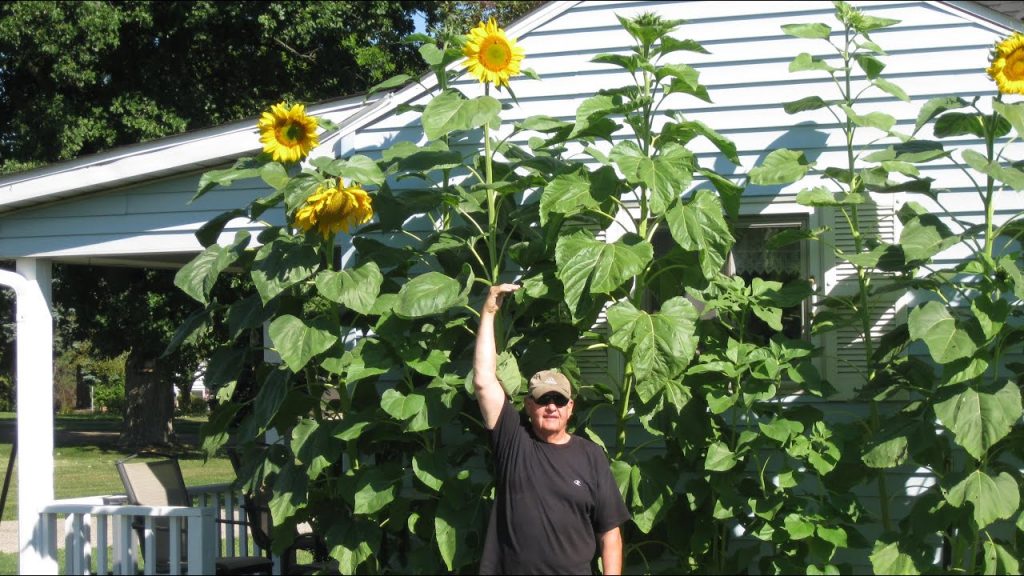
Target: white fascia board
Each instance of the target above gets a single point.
(428, 81)
(987, 17)
(126, 164)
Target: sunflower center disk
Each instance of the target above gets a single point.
(496, 54)
(1015, 67)
(291, 132)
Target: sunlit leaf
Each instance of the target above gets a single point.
(993, 498)
(699, 225)
(979, 419)
(356, 288)
(812, 31)
(402, 407)
(428, 294)
(805, 62)
(282, 263)
(450, 111)
(933, 324)
(659, 344)
(298, 342)
(887, 558)
(719, 458)
(999, 560)
(587, 265)
(781, 166)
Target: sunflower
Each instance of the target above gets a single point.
(335, 207)
(287, 133)
(1007, 67)
(490, 55)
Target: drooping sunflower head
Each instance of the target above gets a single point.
(287, 133)
(335, 207)
(490, 55)
(1007, 67)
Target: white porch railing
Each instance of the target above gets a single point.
(216, 526)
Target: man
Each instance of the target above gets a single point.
(556, 501)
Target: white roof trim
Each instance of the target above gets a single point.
(982, 14)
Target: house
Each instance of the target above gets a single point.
(130, 206)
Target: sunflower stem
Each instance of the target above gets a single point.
(492, 215)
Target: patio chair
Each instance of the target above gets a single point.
(160, 483)
(261, 523)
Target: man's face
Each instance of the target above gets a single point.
(546, 415)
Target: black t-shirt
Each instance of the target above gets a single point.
(552, 500)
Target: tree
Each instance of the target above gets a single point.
(460, 16)
(134, 310)
(80, 77)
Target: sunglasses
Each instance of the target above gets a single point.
(552, 397)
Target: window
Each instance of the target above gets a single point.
(751, 257)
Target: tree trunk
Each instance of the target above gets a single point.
(149, 404)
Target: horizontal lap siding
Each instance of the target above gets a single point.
(150, 218)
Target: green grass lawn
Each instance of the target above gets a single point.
(86, 470)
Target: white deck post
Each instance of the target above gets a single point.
(32, 285)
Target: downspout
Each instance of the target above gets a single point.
(32, 285)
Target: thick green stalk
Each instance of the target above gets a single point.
(620, 437)
(990, 128)
(863, 281)
(492, 202)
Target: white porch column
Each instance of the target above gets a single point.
(32, 284)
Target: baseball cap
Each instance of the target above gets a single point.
(549, 381)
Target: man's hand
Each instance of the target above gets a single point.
(495, 296)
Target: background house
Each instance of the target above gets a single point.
(130, 206)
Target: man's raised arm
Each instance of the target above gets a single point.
(489, 393)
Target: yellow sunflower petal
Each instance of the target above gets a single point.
(1007, 67)
(491, 56)
(331, 209)
(287, 134)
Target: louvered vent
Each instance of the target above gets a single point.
(876, 221)
(846, 363)
(849, 356)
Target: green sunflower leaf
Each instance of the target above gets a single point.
(870, 65)
(805, 62)
(891, 89)
(428, 294)
(298, 342)
(781, 166)
(804, 105)
(450, 111)
(587, 265)
(980, 418)
(282, 263)
(357, 288)
(1013, 113)
(933, 324)
(959, 124)
(812, 31)
(700, 226)
(936, 106)
(993, 498)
